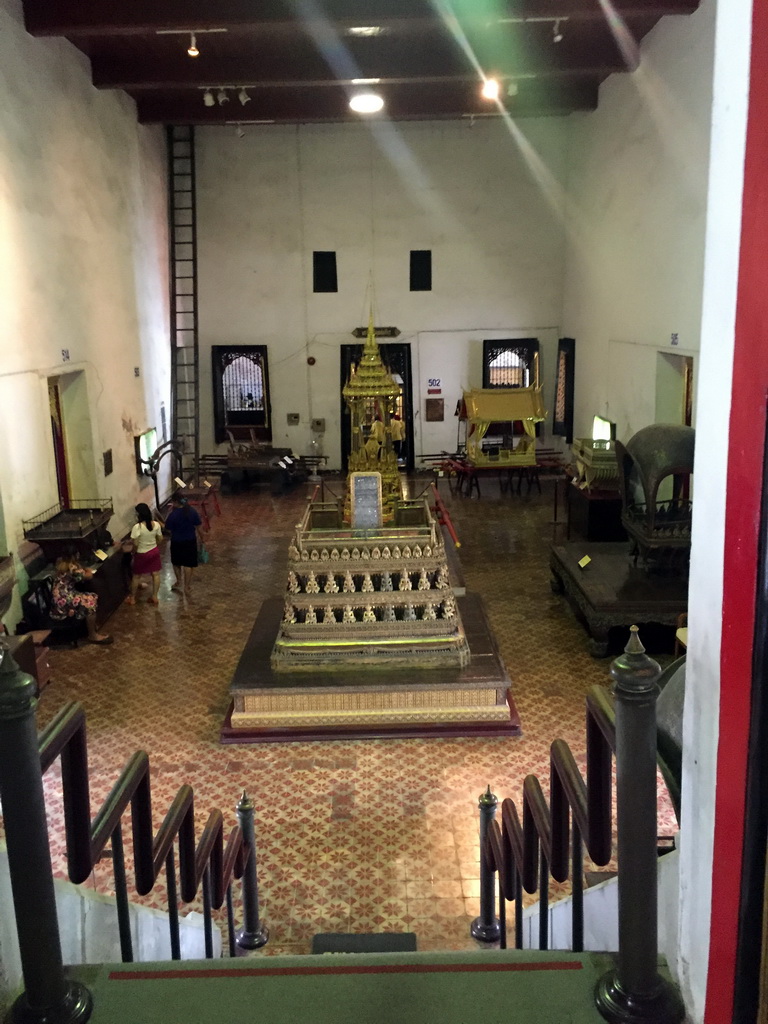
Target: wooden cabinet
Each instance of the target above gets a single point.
(31, 655)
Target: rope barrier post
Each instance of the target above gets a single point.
(49, 998)
(485, 928)
(634, 991)
(254, 934)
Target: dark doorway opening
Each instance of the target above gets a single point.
(396, 356)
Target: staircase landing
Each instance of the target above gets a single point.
(489, 987)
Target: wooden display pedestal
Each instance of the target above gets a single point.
(611, 592)
(269, 706)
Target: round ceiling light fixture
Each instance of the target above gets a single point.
(366, 102)
(490, 90)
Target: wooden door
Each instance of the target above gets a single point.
(59, 442)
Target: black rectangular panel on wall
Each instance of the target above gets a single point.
(421, 270)
(324, 272)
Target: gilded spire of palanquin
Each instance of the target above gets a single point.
(371, 379)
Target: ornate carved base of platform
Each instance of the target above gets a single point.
(456, 700)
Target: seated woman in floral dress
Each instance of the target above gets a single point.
(71, 603)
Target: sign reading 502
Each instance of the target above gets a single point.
(433, 382)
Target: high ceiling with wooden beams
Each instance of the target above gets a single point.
(301, 60)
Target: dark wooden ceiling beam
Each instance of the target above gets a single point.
(426, 101)
(140, 17)
(301, 63)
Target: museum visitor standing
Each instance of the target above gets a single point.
(146, 536)
(184, 525)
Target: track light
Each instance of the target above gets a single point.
(490, 90)
(243, 96)
(208, 99)
(366, 102)
(222, 97)
(193, 50)
(557, 35)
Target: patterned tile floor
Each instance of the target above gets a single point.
(352, 835)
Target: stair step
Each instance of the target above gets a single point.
(492, 986)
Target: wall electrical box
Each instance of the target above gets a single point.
(318, 425)
(293, 419)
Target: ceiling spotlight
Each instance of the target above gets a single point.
(239, 132)
(366, 102)
(365, 31)
(243, 96)
(512, 89)
(208, 99)
(557, 35)
(222, 97)
(193, 50)
(490, 90)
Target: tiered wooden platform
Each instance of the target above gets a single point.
(269, 706)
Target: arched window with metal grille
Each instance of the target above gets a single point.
(509, 364)
(241, 392)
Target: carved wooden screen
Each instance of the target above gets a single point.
(563, 415)
(241, 391)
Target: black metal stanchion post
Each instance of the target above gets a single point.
(49, 998)
(635, 992)
(254, 934)
(485, 928)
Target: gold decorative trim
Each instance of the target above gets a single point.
(429, 716)
(345, 700)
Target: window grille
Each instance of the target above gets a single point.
(241, 392)
(509, 364)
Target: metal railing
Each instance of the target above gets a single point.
(210, 863)
(552, 838)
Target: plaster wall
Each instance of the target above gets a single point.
(371, 193)
(705, 600)
(637, 188)
(83, 280)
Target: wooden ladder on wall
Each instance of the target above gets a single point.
(185, 376)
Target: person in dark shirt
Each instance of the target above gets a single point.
(183, 524)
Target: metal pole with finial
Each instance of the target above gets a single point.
(485, 928)
(635, 992)
(254, 933)
(48, 995)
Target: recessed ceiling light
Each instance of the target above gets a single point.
(365, 81)
(366, 102)
(365, 30)
(490, 90)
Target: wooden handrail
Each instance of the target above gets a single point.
(443, 517)
(513, 849)
(87, 836)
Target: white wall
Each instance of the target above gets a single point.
(267, 200)
(83, 267)
(89, 931)
(636, 222)
(705, 601)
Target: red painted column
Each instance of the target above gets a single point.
(744, 481)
